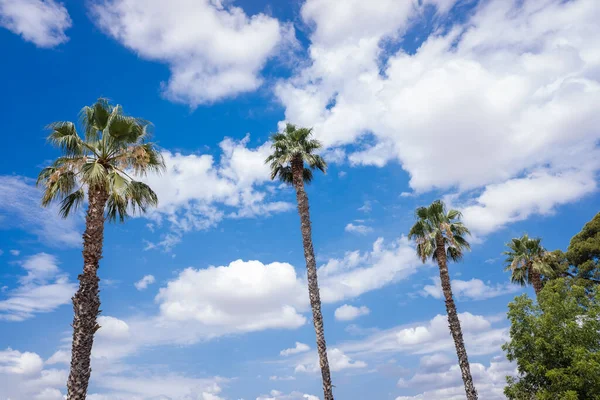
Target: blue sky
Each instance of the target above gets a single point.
(490, 105)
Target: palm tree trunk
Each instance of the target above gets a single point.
(313, 284)
(536, 281)
(86, 302)
(453, 321)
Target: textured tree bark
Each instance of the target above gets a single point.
(453, 321)
(311, 267)
(86, 302)
(536, 281)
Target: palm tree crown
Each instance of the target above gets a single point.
(294, 147)
(114, 146)
(526, 258)
(433, 222)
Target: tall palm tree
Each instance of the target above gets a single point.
(113, 147)
(292, 150)
(528, 262)
(441, 236)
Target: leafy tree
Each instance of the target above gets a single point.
(113, 147)
(292, 150)
(582, 259)
(528, 262)
(440, 235)
(555, 343)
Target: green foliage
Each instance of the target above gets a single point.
(555, 343)
(433, 221)
(525, 255)
(295, 145)
(114, 146)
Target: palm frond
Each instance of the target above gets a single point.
(71, 202)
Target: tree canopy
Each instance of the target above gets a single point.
(555, 344)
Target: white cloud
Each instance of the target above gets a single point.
(229, 189)
(433, 336)
(357, 273)
(366, 207)
(338, 361)
(474, 289)
(358, 229)
(41, 22)
(149, 386)
(213, 49)
(277, 395)
(15, 252)
(249, 296)
(241, 297)
(444, 382)
(348, 312)
(42, 290)
(298, 348)
(22, 376)
(517, 199)
(143, 283)
(20, 202)
(282, 378)
(513, 92)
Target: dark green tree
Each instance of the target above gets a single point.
(555, 344)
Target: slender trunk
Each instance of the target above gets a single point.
(536, 280)
(86, 302)
(311, 267)
(453, 321)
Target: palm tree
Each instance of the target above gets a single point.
(291, 150)
(528, 261)
(440, 235)
(113, 147)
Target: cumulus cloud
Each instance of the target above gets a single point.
(23, 376)
(432, 336)
(42, 290)
(358, 228)
(474, 289)
(348, 312)
(213, 48)
(41, 22)
(356, 273)
(443, 380)
(509, 97)
(278, 395)
(230, 189)
(298, 348)
(143, 283)
(20, 204)
(338, 361)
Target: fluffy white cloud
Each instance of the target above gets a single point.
(357, 273)
(248, 296)
(240, 297)
(513, 92)
(358, 228)
(433, 336)
(20, 204)
(229, 189)
(143, 283)
(348, 312)
(338, 361)
(43, 289)
(444, 381)
(213, 49)
(474, 289)
(148, 386)
(42, 22)
(277, 395)
(298, 348)
(22, 376)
